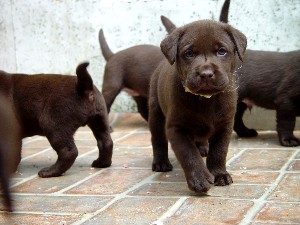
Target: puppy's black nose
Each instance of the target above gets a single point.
(206, 74)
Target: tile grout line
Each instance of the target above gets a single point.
(23, 181)
(35, 175)
(79, 182)
(235, 156)
(272, 148)
(80, 156)
(41, 213)
(259, 203)
(127, 135)
(171, 211)
(87, 217)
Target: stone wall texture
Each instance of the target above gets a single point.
(53, 36)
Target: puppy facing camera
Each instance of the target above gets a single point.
(192, 101)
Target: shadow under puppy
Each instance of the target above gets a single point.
(269, 80)
(129, 70)
(55, 106)
(10, 145)
(192, 100)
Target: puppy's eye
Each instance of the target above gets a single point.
(189, 54)
(222, 51)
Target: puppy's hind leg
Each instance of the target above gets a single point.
(239, 126)
(159, 140)
(203, 148)
(99, 126)
(285, 126)
(67, 153)
(142, 105)
(216, 159)
(112, 85)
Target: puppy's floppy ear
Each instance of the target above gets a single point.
(239, 40)
(169, 46)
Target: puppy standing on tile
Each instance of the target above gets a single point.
(270, 80)
(192, 100)
(55, 106)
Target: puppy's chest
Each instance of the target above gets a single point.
(204, 118)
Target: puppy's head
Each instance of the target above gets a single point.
(205, 54)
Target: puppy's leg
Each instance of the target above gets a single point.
(112, 86)
(142, 105)
(4, 180)
(239, 126)
(101, 131)
(66, 151)
(286, 121)
(198, 177)
(216, 159)
(159, 140)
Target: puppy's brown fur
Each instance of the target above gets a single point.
(270, 80)
(129, 69)
(55, 106)
(200, 57)
(10, 144)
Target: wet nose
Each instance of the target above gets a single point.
(208, 73)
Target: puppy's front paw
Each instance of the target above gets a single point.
(289, 141)
(98, 163)
(201, 182)
(162, 166)
(223, 179)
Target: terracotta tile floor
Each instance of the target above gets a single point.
(266, 188)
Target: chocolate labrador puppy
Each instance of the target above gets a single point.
(55, 106)
(270, 80)
(192, 100)
(129, 70)
(10, 145)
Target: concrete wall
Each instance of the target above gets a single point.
(53, 36)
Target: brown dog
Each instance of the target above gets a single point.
(193, 100)
(55, 106)
(10, 145)
(129, 70)
(270, 80)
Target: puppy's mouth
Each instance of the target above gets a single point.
(205, 82)
(204, 91)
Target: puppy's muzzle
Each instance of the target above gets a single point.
(205, 82)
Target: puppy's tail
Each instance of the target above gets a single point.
(224, 12)
(106, 52)
(169, 25)
(84, 79)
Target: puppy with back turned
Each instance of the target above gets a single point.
(192, 101)
(55, 106)
(129, 70)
